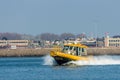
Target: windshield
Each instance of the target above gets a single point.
(66, 48)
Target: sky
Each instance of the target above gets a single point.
(95, 17)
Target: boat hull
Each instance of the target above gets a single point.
(62, 58)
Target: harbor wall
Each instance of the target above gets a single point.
(45, 51)
(23, 52)
(103, 51)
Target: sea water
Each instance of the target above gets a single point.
(45, 68)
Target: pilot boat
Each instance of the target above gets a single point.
(70, 52)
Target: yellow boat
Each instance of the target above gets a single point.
(70, 52)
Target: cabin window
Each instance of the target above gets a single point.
(70, 47)
(83, 50)
(66, 48)
(77, 51)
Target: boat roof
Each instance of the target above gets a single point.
(76, 45)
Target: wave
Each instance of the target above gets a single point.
(48, 60)
(95, 60)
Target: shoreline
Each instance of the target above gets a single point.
(46, 51)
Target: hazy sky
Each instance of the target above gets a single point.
(59, 16)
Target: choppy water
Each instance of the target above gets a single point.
(43, 68)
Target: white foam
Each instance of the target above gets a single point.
(95, 60)
(100, 60)
(48, 60)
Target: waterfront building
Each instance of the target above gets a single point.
(14, 43)
(112, 42)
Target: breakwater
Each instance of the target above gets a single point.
(103, 51)
(23, 52)
(45, 51)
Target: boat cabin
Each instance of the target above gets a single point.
(75, 49)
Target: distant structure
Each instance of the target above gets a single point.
(14, 43)
(86, 41)
(112, 42)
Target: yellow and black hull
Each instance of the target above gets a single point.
(62, 58)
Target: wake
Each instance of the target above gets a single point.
(95, 60)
